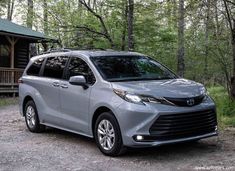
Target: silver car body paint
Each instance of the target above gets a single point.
(72, 109)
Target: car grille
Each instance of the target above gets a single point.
(175, 126)
(186, 101)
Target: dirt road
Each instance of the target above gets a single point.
(58, 150)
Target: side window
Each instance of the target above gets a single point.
(54, 67)
(34, 69)
(79, 67)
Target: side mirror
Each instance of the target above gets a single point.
(79, 81)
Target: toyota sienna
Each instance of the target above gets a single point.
(121, 99)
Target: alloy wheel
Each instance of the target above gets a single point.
(30, 116)
(106, 134)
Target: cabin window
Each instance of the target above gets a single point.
(4, 56)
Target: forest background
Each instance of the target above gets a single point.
(196, 39)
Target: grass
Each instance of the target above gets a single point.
(225, 106)
(6, 101)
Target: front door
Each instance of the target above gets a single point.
(75, 99)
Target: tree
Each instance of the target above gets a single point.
(104, 32)
(29, 21)
(45, 23)
(207, 25)
(231, 21)
(130, 25)
(45, 17)
(190, 37)
(181, 49)
(10, 8)
(124, 23)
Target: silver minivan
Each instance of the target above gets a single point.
(122, 99)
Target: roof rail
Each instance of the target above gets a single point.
(70, 49)
(59, 50)
(85, 48)
(56, 50)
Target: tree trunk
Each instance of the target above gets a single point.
(231, 22)
(45, 22)
(224, 69)
(207, 39)
(45, 17)
(216, 18)
(130, 25)
(10, 8)
(29, 21)
(181, 49)
(124, 15)
(232, 93)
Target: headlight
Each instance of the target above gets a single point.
(128, 96)
(133, 98)
(203, 91)
(140, 99)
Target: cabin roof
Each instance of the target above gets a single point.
(12, 29)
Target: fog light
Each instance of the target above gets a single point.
(139, 137)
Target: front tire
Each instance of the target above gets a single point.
(108, 135)
(31, 118)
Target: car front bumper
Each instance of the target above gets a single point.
(137, 120)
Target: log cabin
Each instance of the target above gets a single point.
(15, 41)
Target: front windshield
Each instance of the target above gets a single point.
(131, 68)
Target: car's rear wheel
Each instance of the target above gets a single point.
(31, 118)
(108, 135)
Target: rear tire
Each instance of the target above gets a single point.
(108, 135)
(31, 118)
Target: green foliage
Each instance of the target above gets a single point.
(5, 101)
(155, 31)
(3, 5)
(225, 106)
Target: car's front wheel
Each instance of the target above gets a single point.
(31, 117)
(108, 135)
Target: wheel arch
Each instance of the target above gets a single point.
(26, 99)
(97, 113)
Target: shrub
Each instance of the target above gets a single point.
(225, 106)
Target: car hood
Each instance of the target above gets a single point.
(175, 88)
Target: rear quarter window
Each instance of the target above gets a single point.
(35, 68)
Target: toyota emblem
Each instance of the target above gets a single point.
(190, 102)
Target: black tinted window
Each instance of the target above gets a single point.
(54, 67)
(34, 69)
(79, 67)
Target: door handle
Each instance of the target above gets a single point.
(56, 84)
(64, 86)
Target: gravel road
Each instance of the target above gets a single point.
(59, 150)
